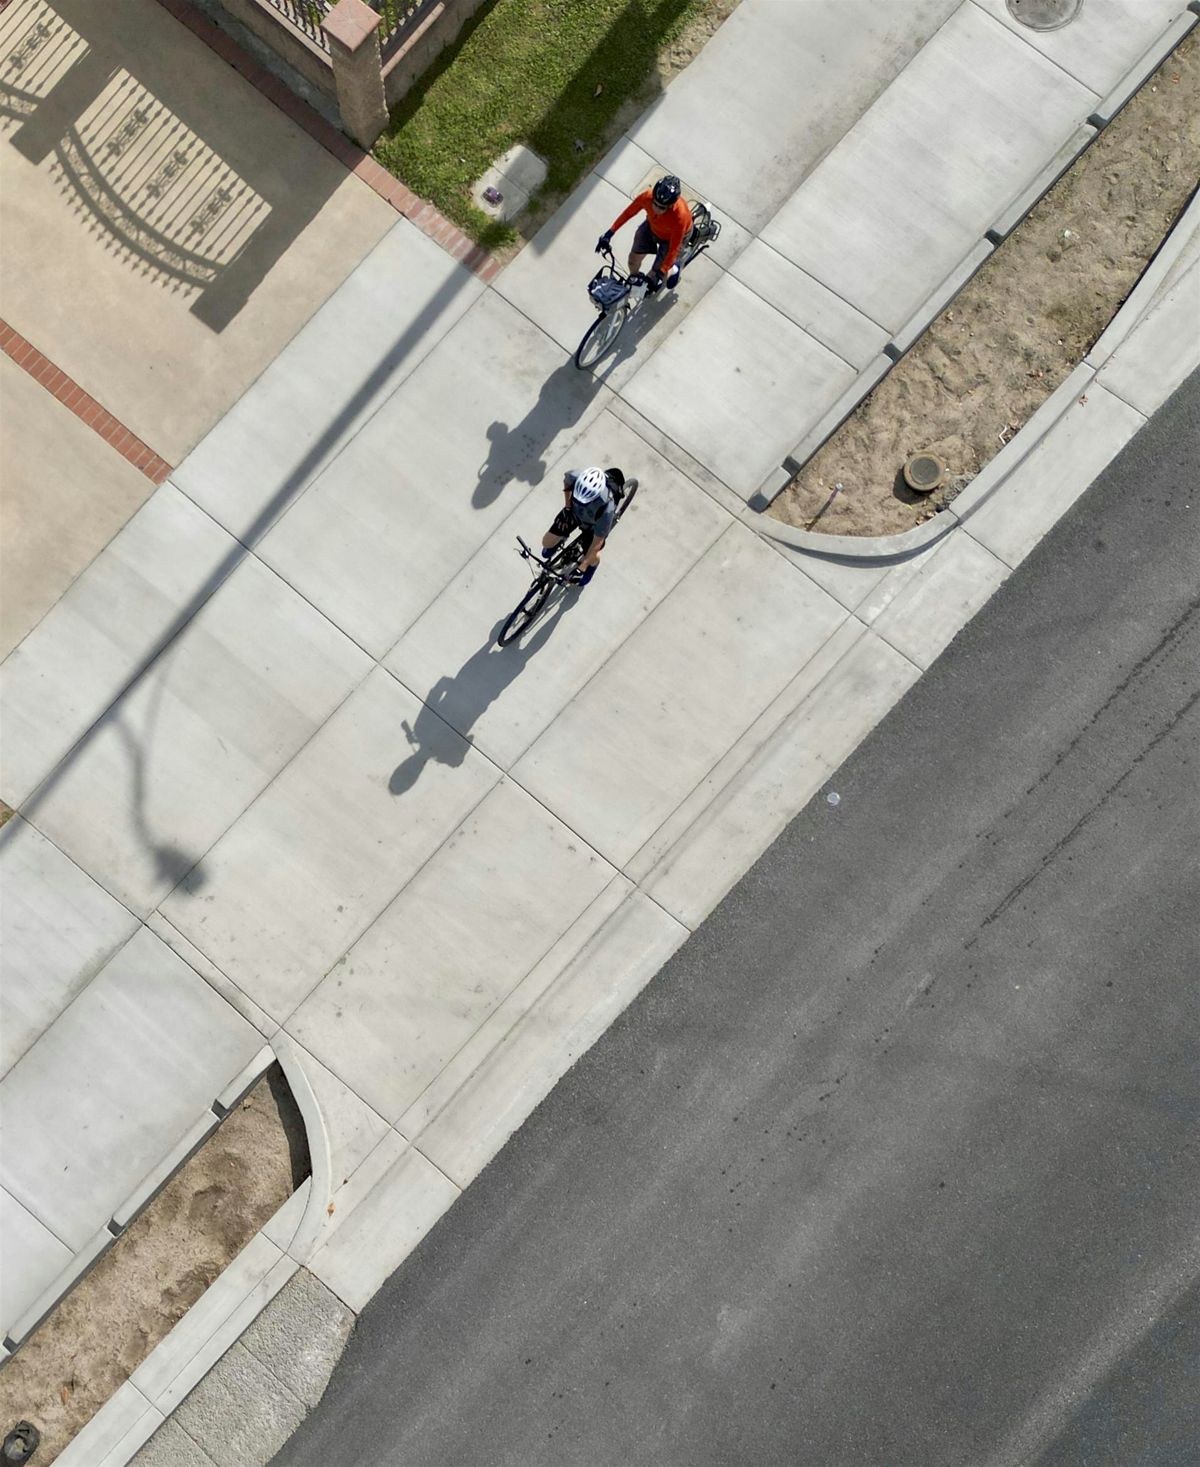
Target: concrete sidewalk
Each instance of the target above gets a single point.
(266, 753)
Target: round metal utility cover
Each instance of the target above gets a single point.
(923, 473)
(1044, 15)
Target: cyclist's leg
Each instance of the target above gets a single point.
(564, 522)
(645, 242)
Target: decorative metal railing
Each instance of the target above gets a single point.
(398, 16)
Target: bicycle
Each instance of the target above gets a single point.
(618, 296)
(558, 573)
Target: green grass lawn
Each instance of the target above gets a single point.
(549, 73)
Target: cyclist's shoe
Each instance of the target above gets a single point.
(581, 578)
(672, 277)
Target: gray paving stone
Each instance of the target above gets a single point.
(78, 658)
(420, 981)
(368, 337)
(325, 849)
(170, 1446)
(424, 484)
(736, 384)
(501, 698)
(1102, 42)
(300, 1336)
(113, 1085)
(57, 930)
(772, 620)
(240, 1411)
(31, 1258)
(920, 178)
(243, 686)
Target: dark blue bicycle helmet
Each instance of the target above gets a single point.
(666, 191)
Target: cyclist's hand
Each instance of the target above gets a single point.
(604, 242)
(654, 280)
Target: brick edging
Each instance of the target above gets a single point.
(417, 211)
(82, 404)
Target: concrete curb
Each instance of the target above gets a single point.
(913, 329)
(138, 1200)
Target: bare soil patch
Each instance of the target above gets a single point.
(157, 1269)
(1021, 326)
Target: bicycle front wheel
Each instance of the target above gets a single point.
(527, 611)
(600, 338)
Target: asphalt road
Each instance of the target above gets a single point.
(898, 1161)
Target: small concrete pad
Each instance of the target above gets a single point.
(112, 1085)
(31, 1258)
(383, 1229)
(919, 179)
(1045, 484)
(736, 384)
(1161, 350)
(501, 698)
(420, 981)
(57, 930)
(939, 593)
(686, 684)
(796, 74)
(317, 858)
(66, 494)
(77, 660)
(367, 338)
(241, 688)
(398, 514)
(1103, 41)
(548, 282)
(832, 321)
(515, 176)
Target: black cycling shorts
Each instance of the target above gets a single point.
(646, 242)
(565, 522)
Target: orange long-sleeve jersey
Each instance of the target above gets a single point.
(671, 224)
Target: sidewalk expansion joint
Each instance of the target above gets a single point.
(82, 405)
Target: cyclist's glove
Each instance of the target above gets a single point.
(603, 243)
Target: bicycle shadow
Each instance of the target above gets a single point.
(519, 453)
(442, 730)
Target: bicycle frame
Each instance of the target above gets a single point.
(547, 568)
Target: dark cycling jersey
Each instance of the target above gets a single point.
(594, 516)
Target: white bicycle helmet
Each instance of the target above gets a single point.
(590, 495)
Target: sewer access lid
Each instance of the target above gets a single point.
(1044, 15)
(923, 473)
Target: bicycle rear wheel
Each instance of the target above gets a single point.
(527, 611)
(600, 338)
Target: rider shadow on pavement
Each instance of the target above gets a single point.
(442, 730)
(519, 453)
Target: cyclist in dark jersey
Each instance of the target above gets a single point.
(590, 500)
